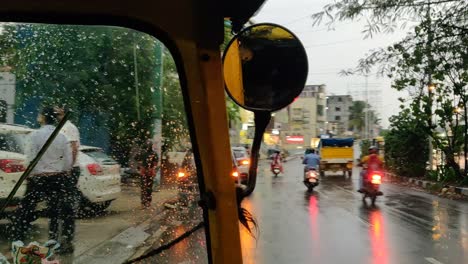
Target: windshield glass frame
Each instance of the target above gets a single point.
(170, 45)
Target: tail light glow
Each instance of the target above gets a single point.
(94, 169)
(245, 162)
(312, 174)
(235, 174)
(11, 165)
(376, 179)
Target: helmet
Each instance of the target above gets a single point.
(373, 149)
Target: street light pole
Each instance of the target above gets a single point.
(137, 89)
(431, 86)
(431, 89)
(367, 108)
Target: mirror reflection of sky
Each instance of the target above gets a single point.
(332, 51)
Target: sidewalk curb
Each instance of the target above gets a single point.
(125, 244)
(426, 184)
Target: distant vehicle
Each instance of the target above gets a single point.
(372, 182)
(242, 160)
(187, 178)
(336, 154)
(270, 153)
(311, 179)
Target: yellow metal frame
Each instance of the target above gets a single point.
(193, 31)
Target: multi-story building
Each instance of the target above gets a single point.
(304, 119)
(338, 113)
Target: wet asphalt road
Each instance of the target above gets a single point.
(333, 225)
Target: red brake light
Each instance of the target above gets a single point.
(11, 165)
(376, 179)
(94, 169)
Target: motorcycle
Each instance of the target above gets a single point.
(371, 186)
(276, 169)
(311, 178)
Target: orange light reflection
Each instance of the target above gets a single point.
(377, 238)
(314, 225)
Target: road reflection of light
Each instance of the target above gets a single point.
(378, 238)
(181, 248)
(314, 225)
(440, 227)
(464, 234)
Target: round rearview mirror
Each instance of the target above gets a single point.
(265, 67)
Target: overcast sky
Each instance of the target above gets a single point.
(331, 51)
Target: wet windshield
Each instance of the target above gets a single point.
(240, 154)
(98, 155)
(106, 189)
(11, 143)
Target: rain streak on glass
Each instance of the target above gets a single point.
(122, 169)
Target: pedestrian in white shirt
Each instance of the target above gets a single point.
(51, 181)
(73, 136)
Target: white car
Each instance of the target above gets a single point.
(99, 181)
(242, 159)
(12, 162)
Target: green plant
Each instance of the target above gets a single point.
(406, 146)
(365, 144)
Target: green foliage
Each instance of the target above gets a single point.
(383, 132)
(357, 115)
(406, 146)
(233, 110)
(433, 54)
(443, 174)
(175, 130)
(89, 68)
(365, 144)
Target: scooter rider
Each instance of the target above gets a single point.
(371, 162)
(276, 160)
(311, 160)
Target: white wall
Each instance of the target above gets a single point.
(8, 92)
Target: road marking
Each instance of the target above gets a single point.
(346, 190)
(322, 194)
(433, 261)
(364, 221)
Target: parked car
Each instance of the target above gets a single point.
(99, 181)
(98, 184)
(12, 162)
(242, 160)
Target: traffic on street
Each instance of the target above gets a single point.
(332, 224)
(234, 131)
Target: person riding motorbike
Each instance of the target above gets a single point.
(370, 163)
(311, 160)
(276, 160)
